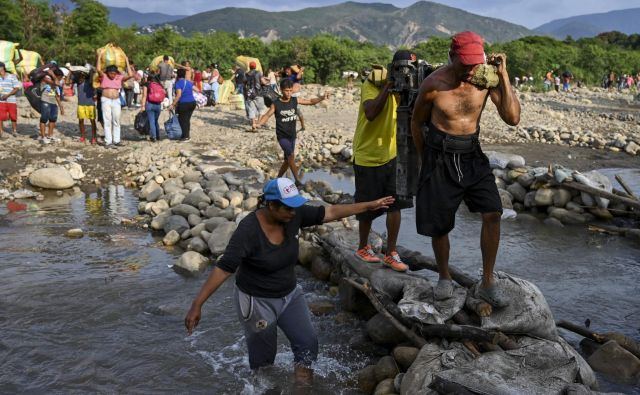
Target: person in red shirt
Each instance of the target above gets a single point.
(197, 79)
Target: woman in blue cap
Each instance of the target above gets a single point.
(263, 252)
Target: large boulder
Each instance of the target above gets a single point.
(51, 178)
(177, 223)
(148, 187)
(171, 238)
(196, 197)
(185, 210)
(220, 237)
(616, 362)
(381, 331)
(191, 262)
(212, 223)
(367, 379)
(386, 368)
(405, 356)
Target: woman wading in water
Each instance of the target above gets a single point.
(263, 252)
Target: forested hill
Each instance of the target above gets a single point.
(590, 25)
(377, 23)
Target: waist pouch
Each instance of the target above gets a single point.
(440, 141)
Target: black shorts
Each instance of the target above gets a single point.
(446, 179)
(375, 182)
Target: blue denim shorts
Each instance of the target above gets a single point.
(48, 112)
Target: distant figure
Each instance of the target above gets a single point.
(111, 83)
(184, 103)
(548, 80)
(166, 76)
(556, 83)
(239, 79)
(86, 106)
(611, 80)
(51, 104)
(9, 86)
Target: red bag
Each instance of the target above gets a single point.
(156, 93)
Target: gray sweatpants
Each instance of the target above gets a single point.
(261, 318)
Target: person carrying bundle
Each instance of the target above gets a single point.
(111, 83)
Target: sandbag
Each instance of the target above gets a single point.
(153, 66)
(30, 61)
(172, 127)
(113, 56)
(34, 96)
(269, 95)
(8, 55)
(225, 90)
(527, 314)
(499, 160)
(243, 63)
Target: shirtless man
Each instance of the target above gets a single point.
(453, 165)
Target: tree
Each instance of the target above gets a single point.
(12, 20)
(89, 21)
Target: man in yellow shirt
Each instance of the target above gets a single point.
(374, 161)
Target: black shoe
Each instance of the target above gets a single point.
(186, 139)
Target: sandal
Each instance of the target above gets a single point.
(444, 290)
(492, 295)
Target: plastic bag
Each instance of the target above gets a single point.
(172, 127)
(141, 123)
(201, 100)
(30, 61)
(8, 55)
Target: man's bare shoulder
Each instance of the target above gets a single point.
(437, 80)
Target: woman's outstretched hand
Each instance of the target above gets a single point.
(385, 202)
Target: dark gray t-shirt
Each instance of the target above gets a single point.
(165, 71)
(86, 92)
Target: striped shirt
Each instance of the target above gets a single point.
(7, 84)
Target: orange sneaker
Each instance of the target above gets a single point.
(93, 141)
(366, 254)
(82, 140)
(393, 261)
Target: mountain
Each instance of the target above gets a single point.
(624, 21)
(374, 22)
(125, 17)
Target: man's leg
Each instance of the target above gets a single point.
(364, 228)
(107, 115)
(81, 126)
(14, 128)
(51, 125)
(283, 168)
(93, 130)
(441, 249)
(489, 241)
(291, 161)
(393, 228)
(116, 111)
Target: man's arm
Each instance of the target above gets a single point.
(503, 95)
(313, 101)
(374, 107)
(421, 114)
(20, 59)
(98, 59)
(264, 118)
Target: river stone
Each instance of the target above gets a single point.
(198, 245)
(159, 179)
(554, 222)
(51, 178)
(204, 235)
(367, 379)
(228, 213)
(506, 198)
(212, 223)
(194, 219)
(192, 262)
(241, 216)
(193, 186)
(544, 197)
(238, 177)
(405, 356)
(197, 229)
(185, 210)
(216, 184)
(155, 194)
(385, 387)
(142, 207)
(568, 217)
(235, 198)
(196, 197)
(147, 188)
(219, 200)
(575, 207)
(171, 238)
(517, 191)
(159, 221)
(159, 206)
(321, 307)
(386, 368)
(176, 199)
(320, 268)
(177, 223)
(253, 189)
(220, 237)
(192, 176)
(526, 180)
(561, 197)
(381, 331)
(530, 199)
(75, 170)
(307, 251)
(632, 148)
(601, 213)
(250, 203)
(185, 235)
(616, 362)
(212, 212)
(74, 233)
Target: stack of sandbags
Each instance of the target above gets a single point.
(225, 90)
(31, 60)
(157, 60)
(243, 63)
(113, 56)
(8, 55)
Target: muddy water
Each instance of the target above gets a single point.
(104, 313)
(582, 275)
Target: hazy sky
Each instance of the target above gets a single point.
(530, 13)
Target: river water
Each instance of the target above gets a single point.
(104, 313)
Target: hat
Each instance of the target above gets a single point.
(469, 47)
(404, 54)
(252, 65)
(285, 191)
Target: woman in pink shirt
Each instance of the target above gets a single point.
(111, 82)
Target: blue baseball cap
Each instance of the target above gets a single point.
(285, 191)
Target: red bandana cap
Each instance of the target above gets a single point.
(252, 65)
(469, 47)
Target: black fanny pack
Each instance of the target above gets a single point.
(441, 141)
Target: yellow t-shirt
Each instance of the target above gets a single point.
(374, 142)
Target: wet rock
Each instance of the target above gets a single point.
(171, 238)
(148, 187)
(567, 217)
(75, 170)
(381, 331)
(192, 262)
(196, 197)
(367, 379)
(601, 213)
(198, 245)
(18, 194)
(517, 191)
(307, 251)
(176, 199)
(553, 222)
(589, 346)
(51, 178)
(544, 197)
(616, 362)
(530, 199)
(212, 223)
(575, 207)
(321, 307)
(185, 210)
(159, 207)
(405, 356)
(525, 180)
(74, 233)
(235, 198)
(505, 198)
(385, 387)
(159, 221)
(386, 368)
(561, 197)
(220, 237)
(177, 223)
(194, 219)
(320, 268)
(155, 194)
(397, 382)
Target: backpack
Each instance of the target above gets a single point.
(141, 123)
(253, 85)
(156, 93)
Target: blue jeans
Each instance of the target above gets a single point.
(153, 112)
(48, 112)
(215, 87)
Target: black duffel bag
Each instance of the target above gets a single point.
(141, 123)
(269, 95)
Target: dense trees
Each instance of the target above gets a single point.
(73, 36)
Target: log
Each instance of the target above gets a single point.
(626, 187)
(624, 341)
(417, 259)
(602, 193)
